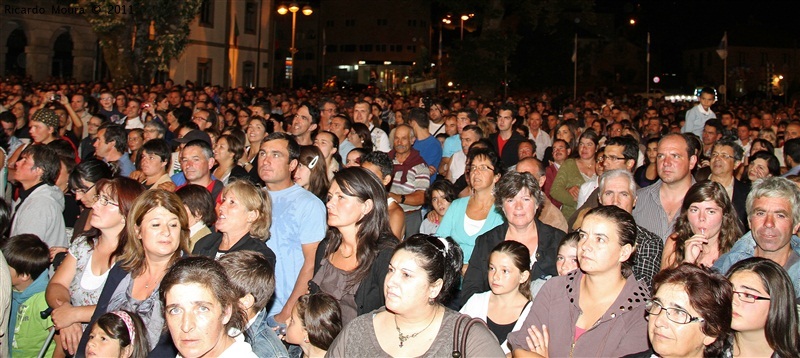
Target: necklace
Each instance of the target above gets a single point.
(404, 337)
(348, 256)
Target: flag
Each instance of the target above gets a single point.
(722, 50)
(575, 50)
(648, 47)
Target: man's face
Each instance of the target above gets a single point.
(26, 174)
(132, 110)
(302, 123)
(755, 122)
(337, 128)
(435, 112)
(525, 150)
(505, 120)
(106, 100)
(403, 140)
(727, 120)
(744, 133)
(534, 121)
(617, 191)
(286, 107)
(615, 130)
(93, 125)
(614, 158)
(361, 113)
(767, 120)
(672, 161)
(706, 100)
(710, 136)
(462, 121)
(771, 221)
(381, 103)
(189, 96)
(201, 119)
(174, 99)
(792, 131)
(467, 138)
(328, 111)
(451, 126)
(9, 128)
(135, 141)
(722, 161)
(195, 165)
(78, 103)
(651, 113)
(654, 126)
(560, 152)
(101, 147)
(274, 166)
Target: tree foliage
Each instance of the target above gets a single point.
(142, 37)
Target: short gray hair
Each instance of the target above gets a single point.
(775, 187)
(512, 183)
(617, 173)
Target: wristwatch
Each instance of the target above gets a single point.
(402, 199)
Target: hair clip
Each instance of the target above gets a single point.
(313, 162)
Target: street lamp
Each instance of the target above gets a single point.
(464, 18)
(293, 8)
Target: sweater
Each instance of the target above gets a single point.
(568, 176)
(27, 330)
(41, 214)
(452, 225)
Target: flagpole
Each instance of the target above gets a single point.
(725, 71)
(575, 70)
(647, 77)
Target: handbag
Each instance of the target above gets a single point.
(463, 324)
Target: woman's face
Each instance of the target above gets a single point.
(504, 276)
(102, 345)
(598, 127)
(302, 176)
(196, 320)
(748, 317)
(599, 249)
(106, 217)
(160, 232)
(39, 132)
(757, 147)
(406, 286)
(355, 139)
(758, 169)
(652, 151)
(345, 210)
(353, 159)
(233, 216)
(256, 132)
(243, 119)
(398, 118)
(705, 218)
(567, 259)
(520, 210)
(222, 152)
(324, 141)
(152, 164)
(481, 174)
(670, 339)
(586, 148)
(295, 332)
(564, 133)
(439, 202)
(86, 196)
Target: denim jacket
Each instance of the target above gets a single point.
(263, 339)
(746, 247)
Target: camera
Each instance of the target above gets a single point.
(55, 97)
(427, 102)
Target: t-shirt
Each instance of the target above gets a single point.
(431, 150)
(298, 218)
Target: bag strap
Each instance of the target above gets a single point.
(460, 333)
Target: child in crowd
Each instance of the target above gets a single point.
(28, 258)
(438, 196)
(118, 334)
(252, 273)
(315, 323)
(566, 261)
(506, 305)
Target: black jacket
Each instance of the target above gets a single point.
(510, 155)
(209, 245)
(475, 280)
(369, 295)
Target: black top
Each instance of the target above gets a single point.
(209, 247)
(510, 156)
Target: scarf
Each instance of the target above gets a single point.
(413, 160)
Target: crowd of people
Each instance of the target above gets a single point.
(179, 220)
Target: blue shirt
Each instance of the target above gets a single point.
(452, 225)
(126, 166)
(298, 218)
(344, 148)
(451, 146)
(431, 151)
(745, 248)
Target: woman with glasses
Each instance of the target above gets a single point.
(472, 216)
(690, 313)
(574, 172)
(75, 287)
(706, 228)
(597, 310)
(83, 182)
(765, 321)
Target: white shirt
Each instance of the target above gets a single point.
(543, 141)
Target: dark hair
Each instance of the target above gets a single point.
(160, 148)
(125, 191)
(512, 183)
(66, 153)
(363, 185)
(441, 258)
(26, 254)
(730, 230)
(203, 145)
(5, 219)
(693, 143)
(182, 114)
(199, 201)
(521, 257)
(629, 144)
(716, 124)
(383, 162)
(782, 319)
(235, 146)
(710, 294)
(419, 116)
(472, 115)
(791, 149)
(773, 164)
(347, 122)
(90, 170)
(446, 187)
(117, 134)
(210, 274)
(488, 154)
(115, 327)
(44, 158)
(474, 128)
(313, 111)
(318, 182)
(321, 317)
(292, 146)
(738, 152)
(363, 132)
(626, 230)
(251, 273)
(770, 148)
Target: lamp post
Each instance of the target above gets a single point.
(464, 18)
(293, 8)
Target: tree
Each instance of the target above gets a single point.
(139, 37)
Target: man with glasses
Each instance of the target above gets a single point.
(774, 218)
(39, 208)
(205, 119)
(725, 157)
(326, 112)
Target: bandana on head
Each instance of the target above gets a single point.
(46, 116)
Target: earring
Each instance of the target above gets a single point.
(431, 301)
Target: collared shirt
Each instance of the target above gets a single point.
(696, 119)
(650, 214)
(542, 141)
(417, 178)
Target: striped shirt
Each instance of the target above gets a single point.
(417, 178)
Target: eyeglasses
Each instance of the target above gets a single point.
(725, 156)
(610, 157)
(749, 297)
(200, 118)
(82, 191)
(482, 167)
(104, 200)
(674, 314)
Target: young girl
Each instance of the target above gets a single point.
(438, 196)
(505, 307)
(566, 261)
(118, 334)
(312, 171)
(316, 320)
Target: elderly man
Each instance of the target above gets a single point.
(774, 219)
(618, 188)
(411, 177)
(726, 156)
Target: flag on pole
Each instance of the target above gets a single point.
(575, 50)
(648, 47)
(722, 50)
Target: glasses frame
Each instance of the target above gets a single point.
(755, 298)
(651, 303)
(82, 190)
(103, 200)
